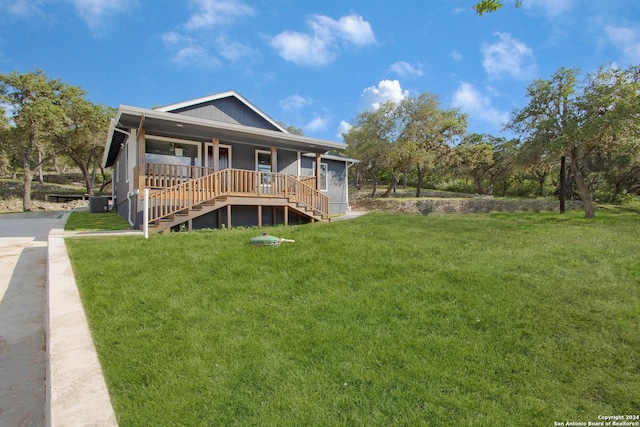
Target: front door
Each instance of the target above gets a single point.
(263, 164)
(224, 156)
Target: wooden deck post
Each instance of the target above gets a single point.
(286, 215)
(259, 216)
(228, 217)
(274, 160)
(318, 171)
(140, 167)
(216, 154)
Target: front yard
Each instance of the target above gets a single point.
(483, 319)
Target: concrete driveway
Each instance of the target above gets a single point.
(23, 308)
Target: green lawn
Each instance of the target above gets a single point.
(84, 221)
(403, 320)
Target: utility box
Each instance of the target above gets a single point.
(98, 204)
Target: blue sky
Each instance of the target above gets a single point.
(316, 64)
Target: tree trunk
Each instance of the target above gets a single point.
(419, 183)
(589, 211)
(392, 186)
(26, 193)
(87, 178)
(105, 182)
(479, 186)
(54, 162)
(375, 186)
(40, 177)
(563, 183)
(542, 178)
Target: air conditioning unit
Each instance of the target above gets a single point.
(98, 204)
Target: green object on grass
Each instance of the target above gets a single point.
(267, 240)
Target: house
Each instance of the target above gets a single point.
(220, 162)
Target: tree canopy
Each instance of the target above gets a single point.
(490, 6)
(588, 124)
(412, 135)
(48, 117)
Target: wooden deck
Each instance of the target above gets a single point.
(188, 192)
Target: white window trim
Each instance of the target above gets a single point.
(261, 152)
(210, 144)
(326, 175)
(177, 141)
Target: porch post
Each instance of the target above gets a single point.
(286, 215)
(228, 217)
(140, 165)
(216, 154)
(259, 216)
(274, 160)
(318, 171)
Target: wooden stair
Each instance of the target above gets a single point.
(190, 199)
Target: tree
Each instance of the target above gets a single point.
(82, 138)
(292, 129)
(36, 115)
(430, 131)
(563, 120)
(490, 6)
(412, 135)
(475, 158)
(370, 140)
(4, 128)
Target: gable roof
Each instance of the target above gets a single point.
(215, 97)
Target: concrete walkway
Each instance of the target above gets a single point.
(23, 308)
(77, 394)
(49, 369)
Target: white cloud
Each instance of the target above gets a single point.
(457, 56)
(295, 102)
(193, 44)
(627, 39)
(215, 12)
(188, 52)
(551, 8)
(302, 49)
(476, 105)
(233, 51)
(23, 8)
(508, 56)
(387, 90)
(317, 124)
(404, 69)
(94, 12)
(321, 46)
(343, 127)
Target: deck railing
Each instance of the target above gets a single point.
(162, 175)
(185, 193)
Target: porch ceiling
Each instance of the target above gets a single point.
(195, 129)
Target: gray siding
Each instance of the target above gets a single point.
(288, 162)
(121, 204)
(227, 110)
(242, 156)
(245, 216)
(336, 182)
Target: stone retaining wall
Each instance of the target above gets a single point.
(426, 206)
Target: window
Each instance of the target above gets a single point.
(263, 161)
(324, 175)
(263, 164)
